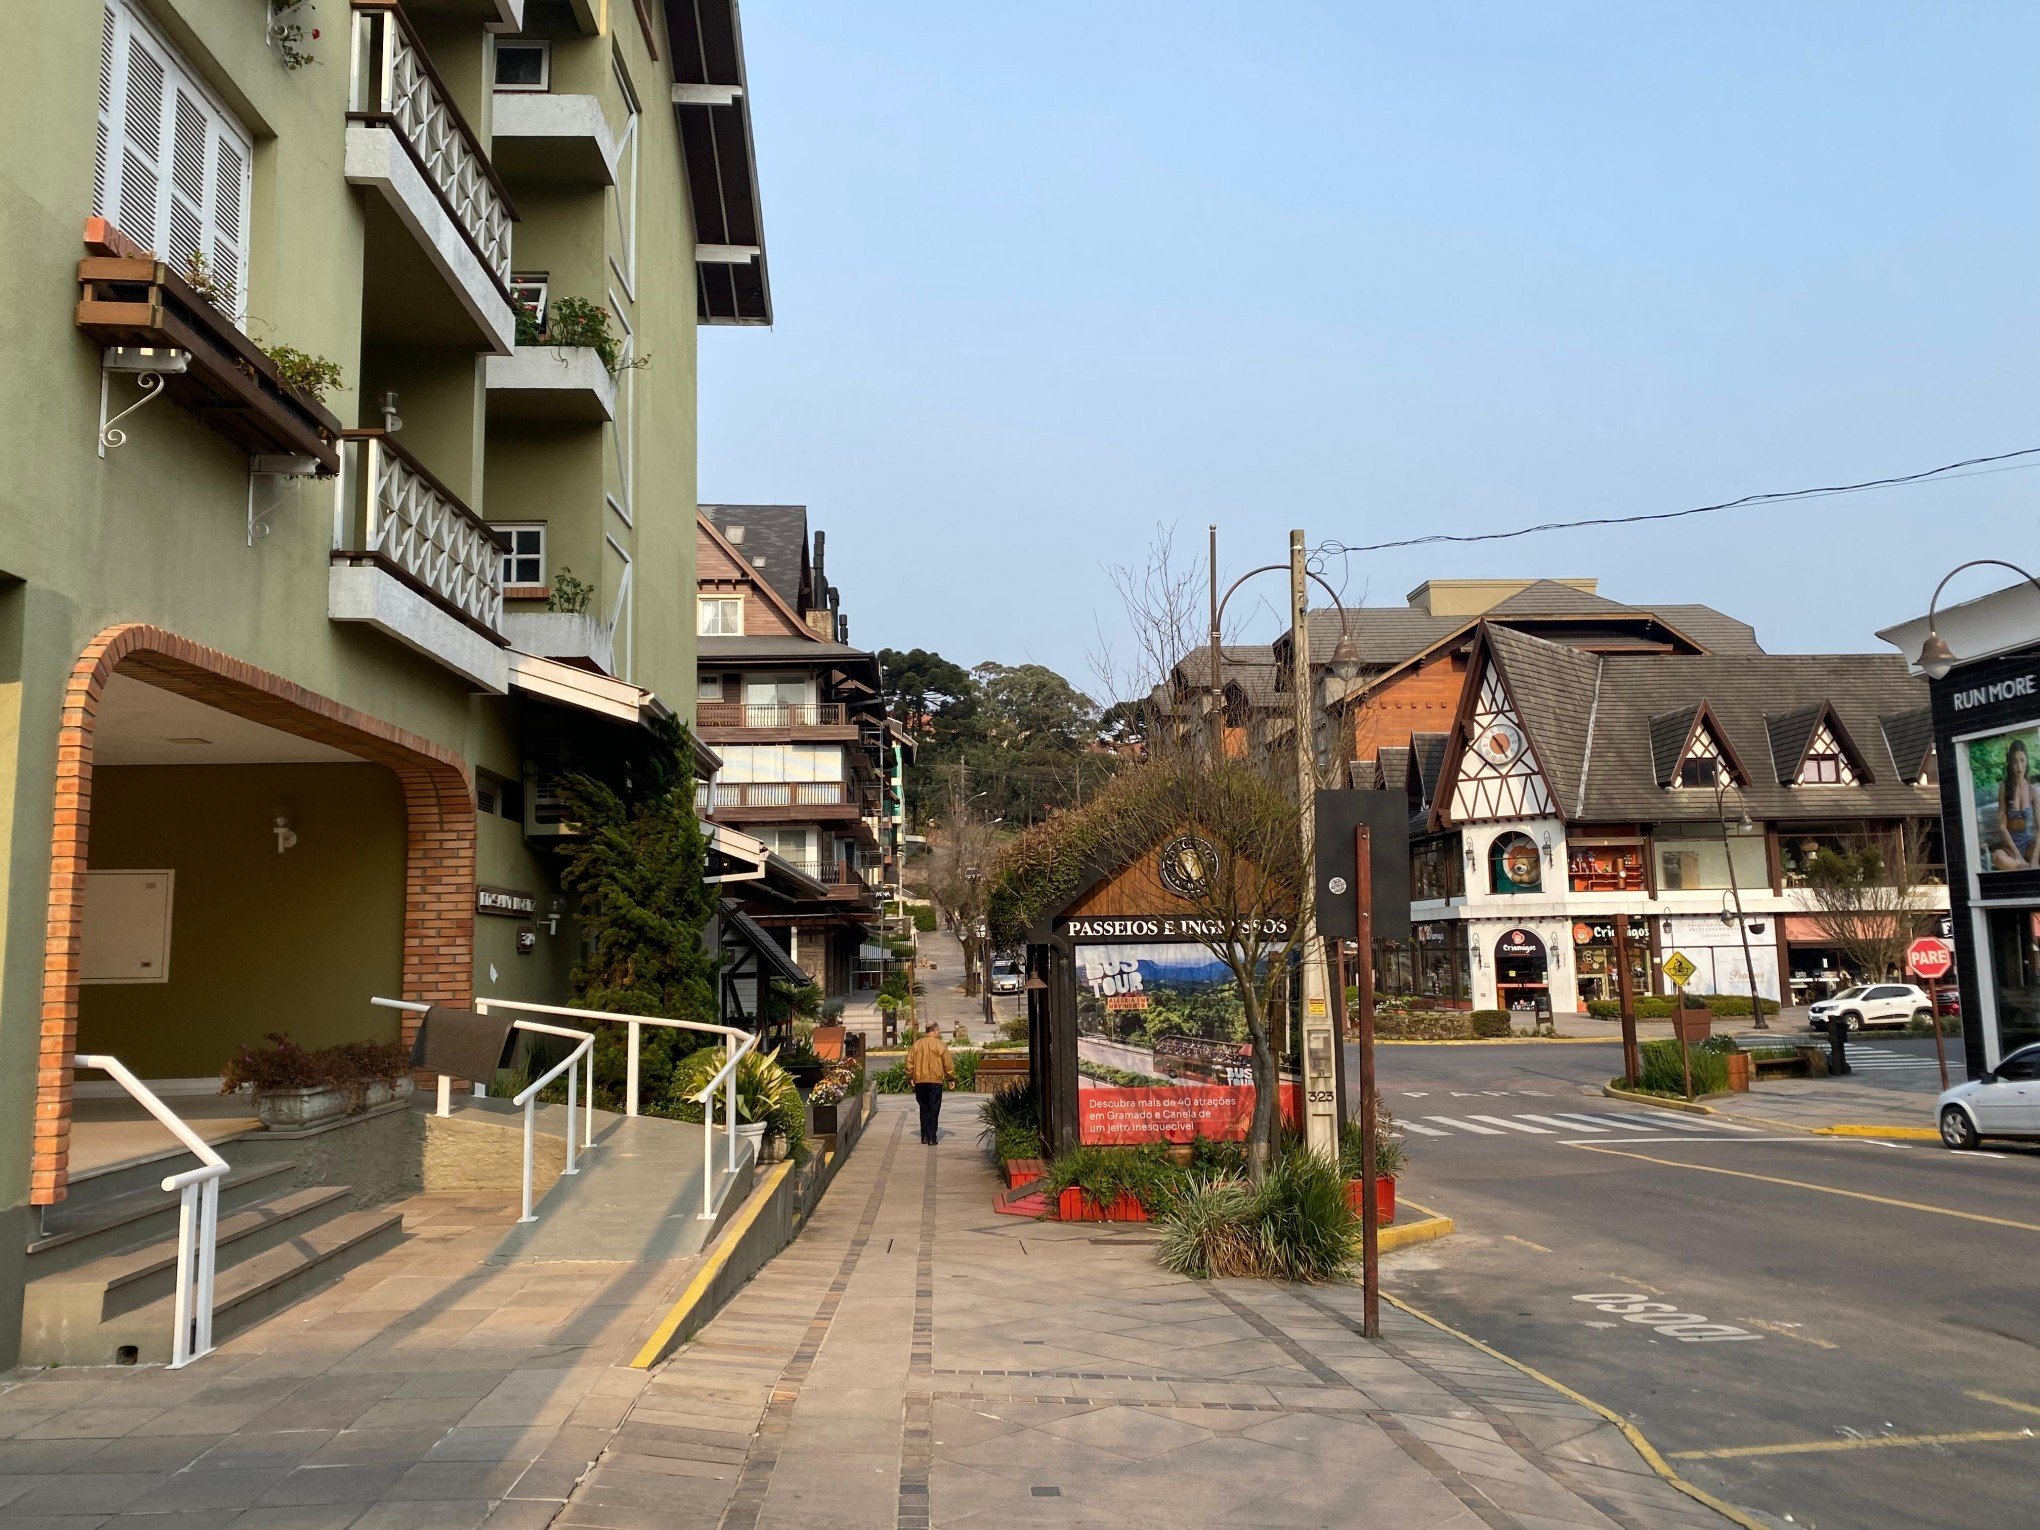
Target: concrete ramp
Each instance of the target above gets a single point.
(637, 1197)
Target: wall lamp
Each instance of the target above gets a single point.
(1547, 847)
(1936, 657)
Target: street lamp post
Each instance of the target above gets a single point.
(1936, 657)
(1742, 924)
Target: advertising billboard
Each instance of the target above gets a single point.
(2004, 801)
(1162, 1046)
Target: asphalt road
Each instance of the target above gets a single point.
(1815, 1296)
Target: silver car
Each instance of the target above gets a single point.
(1007, 976)
(2005, 1102)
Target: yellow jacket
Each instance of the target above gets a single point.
(929, 1062)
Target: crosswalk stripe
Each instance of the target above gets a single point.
(1467, 1126)
(1572, 1121)
(1515, 1124)
(1427, 1131)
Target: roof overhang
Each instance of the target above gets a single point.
(773, 961)
(1976, 629)
(711, 103)
(569, 686)
(734, 856)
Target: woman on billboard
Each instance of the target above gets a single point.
(2016, 813)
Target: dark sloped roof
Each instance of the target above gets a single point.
(1547, 597)
(1385, 635)
(1910, 738)
(1642, 699)
(1668, 734)
(795, 650)
(1789, 733)
(1250, 666)
(1393, 767)
(1553, 689)
(773, 540)
(1713, 630)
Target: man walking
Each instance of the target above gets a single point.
(930, 1066)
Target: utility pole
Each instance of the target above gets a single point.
(1320, 1039)
(1217, 677)
(1370, 1213)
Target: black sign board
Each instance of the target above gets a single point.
(1339, 815)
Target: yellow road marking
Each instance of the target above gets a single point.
(2004, 1402)
(1787, 1333)
(1868, 1442)
(1897, 1133)
(1630, 1432)
(1512, 1238)
(1629, 1280)
(1800, 1184)
(711, 1267)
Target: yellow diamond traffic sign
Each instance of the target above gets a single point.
(1679, 968)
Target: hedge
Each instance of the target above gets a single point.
(1490, 1023)
(1652, 1007)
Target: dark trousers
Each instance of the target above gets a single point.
(929, 1097)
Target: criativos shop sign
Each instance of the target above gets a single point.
(1164, 927)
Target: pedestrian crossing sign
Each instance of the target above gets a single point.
(1679, 968)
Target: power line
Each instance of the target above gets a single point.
(1330, 549)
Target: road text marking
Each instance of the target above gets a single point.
(1664, 1318)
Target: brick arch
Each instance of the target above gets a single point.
(439, 862)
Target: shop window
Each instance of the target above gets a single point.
(1605, 868)
(1515, 865)
(1436, 870)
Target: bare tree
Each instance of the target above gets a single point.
(1872, 902)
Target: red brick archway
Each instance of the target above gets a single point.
(439, 863)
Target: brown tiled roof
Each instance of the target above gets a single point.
(1553, 687)
(1909, 736)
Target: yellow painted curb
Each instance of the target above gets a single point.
(1630, 1432)
(1637, 1097)
(704, 1278)
(1906, 1133)
(1435, 1225)
(1496, 1041)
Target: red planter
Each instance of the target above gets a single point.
(1074, 1205)
(1023, 1171)
(1384, 1199)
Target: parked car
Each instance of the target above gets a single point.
(1868, 1004)
(2004, 1102)
(1007, 976)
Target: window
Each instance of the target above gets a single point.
(1605, 868)
(524, 563)
(708, 688)
(172, 166)
(721, 616)
(1514, 865)
(524, 66)
(1821, 770)
(1694, 772)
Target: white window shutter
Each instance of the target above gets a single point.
(109, 46)
(141, 139)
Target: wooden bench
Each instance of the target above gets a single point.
(1805, 1062)
(1000, 1070)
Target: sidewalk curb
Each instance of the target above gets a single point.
(1434, 1226)
(1694, 1108)
(1630, 1432)
(705, 1293)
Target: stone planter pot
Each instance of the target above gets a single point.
(753, 1132)
(287, 1110)
(822, 1119)
(1384, 1199)
(382, 1091)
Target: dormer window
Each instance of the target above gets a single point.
(1827, 761)
(1701, 772)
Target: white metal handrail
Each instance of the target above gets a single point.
(528, 1098)
(198, 1215)
(736, 1042)
(388, 507)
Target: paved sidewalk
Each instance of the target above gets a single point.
(1812, 1104)
(915, 1360)
(426, 1388)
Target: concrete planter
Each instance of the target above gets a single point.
(381, 1091)
(753, 1132)
(287, 1110)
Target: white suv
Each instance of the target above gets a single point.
(1873, 1004)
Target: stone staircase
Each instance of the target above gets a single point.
(102, 1274)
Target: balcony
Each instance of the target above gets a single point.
(841, 879)
(732, 722)
(412, 561)
(571, 637)
(779, 801)
(551, 382)
(556, 140)
(407, 141)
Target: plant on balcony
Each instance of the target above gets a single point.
(569, 595)
(577, 321)
(288, 33)
(313, 376)
(209, 284)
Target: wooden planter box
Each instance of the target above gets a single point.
(1384, 1199)
(1076, 1205)
(824, 1120)
(1693, 1025)
(1738, 1072)
(1023, 1171)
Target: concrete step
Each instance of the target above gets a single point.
(82, 1228)
(95, 1186)
(135, 1277)
(245, 1293)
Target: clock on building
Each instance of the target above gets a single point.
(1500, 743)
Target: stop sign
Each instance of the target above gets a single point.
(1929, 958)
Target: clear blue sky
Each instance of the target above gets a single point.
(1048, 274)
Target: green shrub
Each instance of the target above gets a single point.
(1217, 1155)
(966, 1071)
(924, 917)
(1662, 1073)
(1737, 1004)
(1211, 1230)
(1307, 1229)
(1011, 1123)
(1388, 1147)
(1490, 1023)
(1014, 1030)
(1951, 1025)
(1647, 1007)
(894, 1080)
(1105, 1173)
(765, 1092)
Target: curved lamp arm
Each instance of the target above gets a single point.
(1936, 657)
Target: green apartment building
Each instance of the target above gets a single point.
(282, 676)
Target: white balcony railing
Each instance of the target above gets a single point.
(391, 512)
(394, 84)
